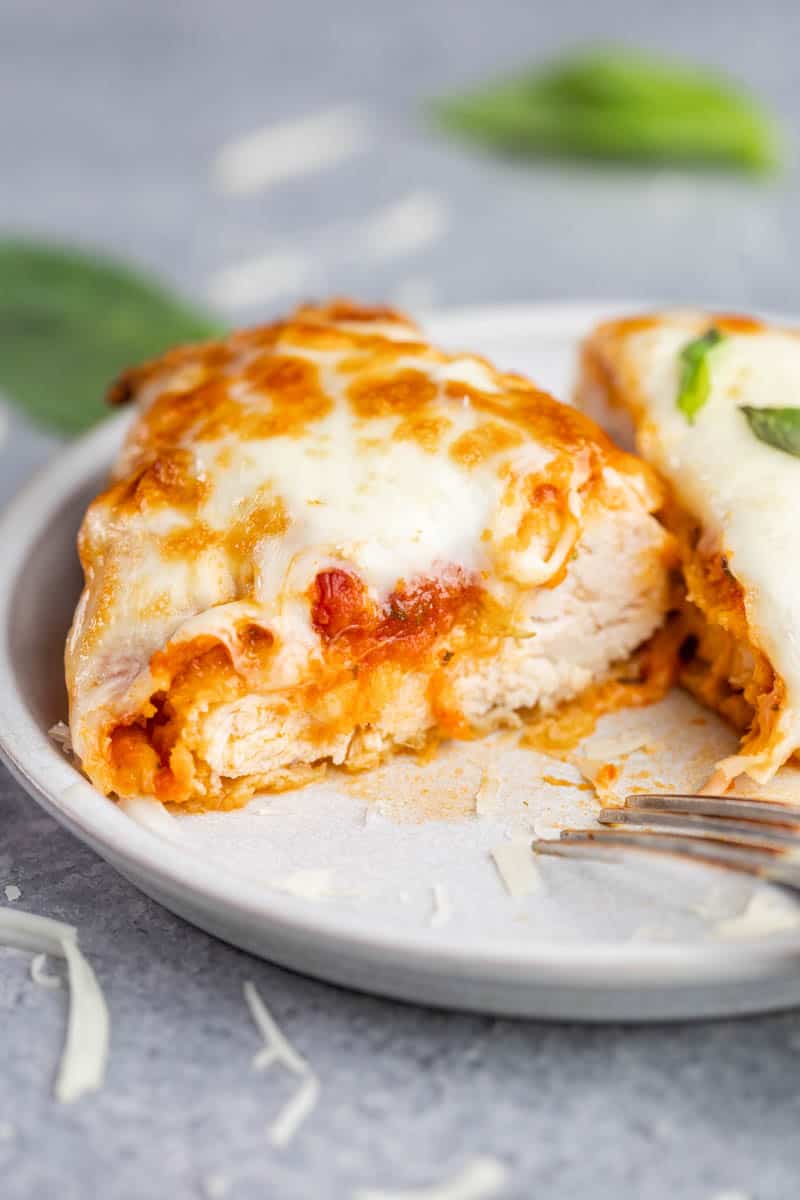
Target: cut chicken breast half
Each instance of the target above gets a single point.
(709, 401)
(325, 540)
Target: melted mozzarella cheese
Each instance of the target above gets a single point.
(355, 494)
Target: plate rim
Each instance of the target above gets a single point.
(59, 788)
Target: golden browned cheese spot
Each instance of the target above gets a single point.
(329, 328)
(477, 445)
(176, 414)
(209, 356)
(188, 541)
(737, 323)
(630, 325)
(266, 520)
(379, 355)
(281, 373)
(284, 397)
(106, 586)
(169, 481)
(261, 337)
(296, 398)
(224, 457)
(393, 395)
(537, 413)
(342, 309)
(159, 605)
(424, 429)
(326, 338)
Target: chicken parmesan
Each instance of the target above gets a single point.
(326, 540)
(701, 396)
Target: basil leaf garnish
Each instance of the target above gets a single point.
(71, 320)
(619, 105)
(695, 382)
(778, 427)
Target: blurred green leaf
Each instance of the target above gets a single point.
(778, 427)
(71, 320)
(695, 382)
(618, 105)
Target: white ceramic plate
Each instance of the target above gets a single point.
(385, 882)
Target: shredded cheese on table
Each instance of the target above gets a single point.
(278, 1049)
(293, 1114)
(290, 149)
(85, 1055)
(40, 974)
(478, 1180)
(216, 1186)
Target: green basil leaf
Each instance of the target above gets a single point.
(617, 76)
(71, 320)
(778, 427)
(695, 382)
(618, 105)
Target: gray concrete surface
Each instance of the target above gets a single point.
(110, 116)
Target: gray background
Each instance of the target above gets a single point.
(110, 116)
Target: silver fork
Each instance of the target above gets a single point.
(759, 837)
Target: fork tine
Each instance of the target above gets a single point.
(614, 843)
(755, 832)
(683, 843)
(580, 844)
(770, 811)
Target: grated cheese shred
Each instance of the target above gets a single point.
(442, 905)
(40, 974)
(278, 1049)
(479, 1179)
(516, 867)
(85, 1054)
